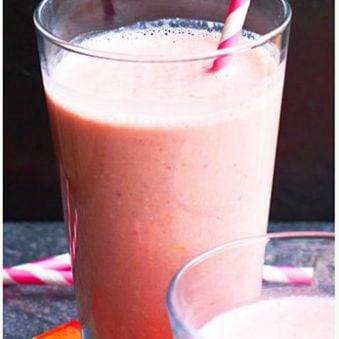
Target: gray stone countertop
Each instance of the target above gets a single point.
(31, 310)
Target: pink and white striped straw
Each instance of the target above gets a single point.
(61, 262)
(57, 270)
(34, 275)
(288, 274)
(51, 270)
(235, 19)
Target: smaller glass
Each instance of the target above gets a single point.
(279, 286)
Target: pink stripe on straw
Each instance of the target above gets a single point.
(235, 19)
(288, 274)
(234, 5)
(51, 270)
(40, 276)
(60, 262)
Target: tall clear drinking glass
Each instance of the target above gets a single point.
(216, 294)
(160, 157)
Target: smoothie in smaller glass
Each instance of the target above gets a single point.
(278, 318)
(295, 300)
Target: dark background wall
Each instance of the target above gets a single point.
(304, 176)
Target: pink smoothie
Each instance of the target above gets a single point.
(278, 318)
(158, 162)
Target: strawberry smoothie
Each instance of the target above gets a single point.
(159, 162)
(301, 317)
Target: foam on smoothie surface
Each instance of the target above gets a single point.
(187, 87)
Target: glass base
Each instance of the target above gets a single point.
(86, 333)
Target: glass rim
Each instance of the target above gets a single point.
(153, 58)
(217, 249)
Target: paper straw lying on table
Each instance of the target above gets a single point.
(288, 274)
(54, 270)
(57, 270)
(61, 262)
(36, 276)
